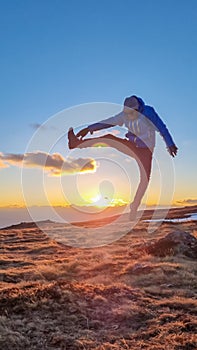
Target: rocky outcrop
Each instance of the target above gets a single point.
(175, 243)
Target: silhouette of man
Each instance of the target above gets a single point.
(142, 123)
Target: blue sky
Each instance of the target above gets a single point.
(58, 54)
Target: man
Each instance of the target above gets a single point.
(142, 121)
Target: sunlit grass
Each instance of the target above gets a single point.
(112, 297)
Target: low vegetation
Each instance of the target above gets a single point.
(119, 296)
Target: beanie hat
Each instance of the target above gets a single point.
(131, 102)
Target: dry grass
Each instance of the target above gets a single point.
(113, 297)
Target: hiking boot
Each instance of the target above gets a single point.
(73, 141)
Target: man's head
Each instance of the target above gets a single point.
(131, 106)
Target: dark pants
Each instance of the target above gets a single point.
(143, 156)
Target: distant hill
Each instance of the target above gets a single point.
(173, 213)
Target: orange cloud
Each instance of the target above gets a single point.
(188, 201)
(2, 164)
(54, 163)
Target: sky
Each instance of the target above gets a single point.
(77, 60)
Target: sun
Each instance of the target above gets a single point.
(100, 201)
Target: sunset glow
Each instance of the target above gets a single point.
(100, 201)
(81, 76)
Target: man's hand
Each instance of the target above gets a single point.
(83, 132)
(173, 150)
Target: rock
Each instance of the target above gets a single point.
(175, 243)
(138, 269)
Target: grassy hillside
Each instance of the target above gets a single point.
(118, 296)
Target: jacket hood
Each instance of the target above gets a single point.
(141, 103)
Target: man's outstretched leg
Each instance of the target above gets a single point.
(122, 145)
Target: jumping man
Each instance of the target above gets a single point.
(142, 122)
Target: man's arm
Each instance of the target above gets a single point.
(161, 127)
(103, 124)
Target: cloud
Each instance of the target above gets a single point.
(35, 125)
(187, 201)
(42, 127)
(11, 158)
(2, 164)
(54, 164)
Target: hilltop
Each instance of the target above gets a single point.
(139, 292)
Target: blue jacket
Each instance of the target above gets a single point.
(141, 131)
